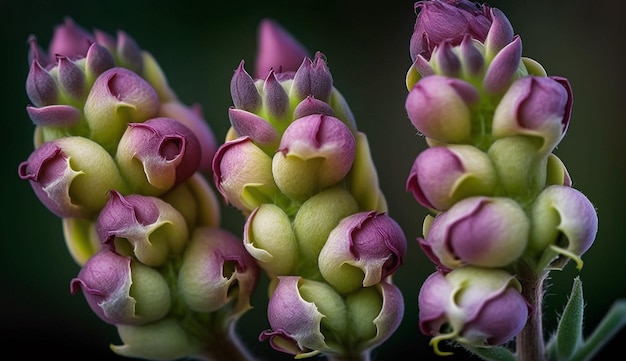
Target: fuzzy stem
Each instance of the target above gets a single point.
(226, 346)
(530, 344)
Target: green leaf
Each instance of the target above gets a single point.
(496, 353)
(612, 322)
(569, 330)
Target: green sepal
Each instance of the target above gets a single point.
(611, 324)
(568, 338)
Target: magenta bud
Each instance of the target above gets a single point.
(361, 251)
(312, 79)
(129, 54)
(70, 40)
(275, 98)
(500, 33)
(243, 91)
(99, 59)
(446, 60)
(193, 118)
(503, 68)
(535, 106)
(41, 87)
(310, 106)
(480, 306)
(439, 21)
(481, 231)
(472, 59)
(278, 50)
(71, 78)
(158, 154)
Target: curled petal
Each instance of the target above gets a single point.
(54, 115)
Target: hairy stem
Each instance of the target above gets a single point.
(530, 345)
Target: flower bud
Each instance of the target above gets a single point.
(481, 231)
(556, 173)
(157, 155)
(143, 226)
(216, 270)
(70, 40)
(106, 281)
(72, 80)
(317, 217)
(306, 317)
(504, 67)
(278, 50)
(72, 176)
(537, 107)
(192, 118)
(163, 340)
(275, 101)
(260, 131)
(439, 108)
(41, 87)
(196, 201)
(564, 225)
(118, 97)
(310, 106)
(376, 313)
(312, 79)
(442, 176)
(315, 152)
(481, 307)
(270, 239)
(129, 54)
(81, 238)
(362, 180)
(54, 115)
(99, 59)
(361, 251)
(242, 173)
(244, 92)
(439, 21)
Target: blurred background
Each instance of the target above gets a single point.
(199, 44)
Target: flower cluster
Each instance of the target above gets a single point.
(503, 210)
(294, 163)
(123, 163)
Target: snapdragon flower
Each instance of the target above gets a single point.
(502, 205)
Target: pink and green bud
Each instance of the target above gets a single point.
(474, 306)
(72, 80)
(361, 251)
(315, 152)
(157, 155)
(480, 231)
(270, 239)
(118, 97)
(122, 291)
(216, 270)
(193, 118)
(306, 317)
(538, 107)
(242, 173)
(312, 79)
(441, 108)
(376, 314)
(442, 176)
(316, 219)
(72, 176)
(278, 50)
(197, 201)
(564, 226)
(163, 340)
(145, 227)
(55, 116)
(310, 105)
(99, 59)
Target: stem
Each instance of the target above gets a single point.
(530, 344)
(225, 346)
(365, 356)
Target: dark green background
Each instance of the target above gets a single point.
(199, 46)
